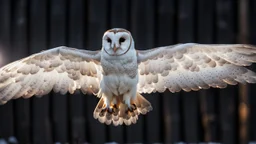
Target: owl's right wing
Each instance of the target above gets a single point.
(61, 69)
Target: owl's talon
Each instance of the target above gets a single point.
(110, 110)
(115, 109)
(134, 107)
(131, 108)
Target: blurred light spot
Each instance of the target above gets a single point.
(2, 56)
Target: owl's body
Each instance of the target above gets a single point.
(119, 89)
(116, 79)
(118, 73)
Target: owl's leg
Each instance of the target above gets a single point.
(128, 99)
(114, 101)
(114, 104)
(110, 104)
(107, 100)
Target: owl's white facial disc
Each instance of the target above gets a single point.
(116, 42)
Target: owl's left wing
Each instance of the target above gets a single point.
(194, 66)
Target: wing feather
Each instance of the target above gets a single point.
(195, 66)
(60, 69)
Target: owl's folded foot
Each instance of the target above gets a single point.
(111, 110)
(114, 109)
(131, 108)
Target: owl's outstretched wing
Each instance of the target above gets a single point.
(62, 69)
(194, 66)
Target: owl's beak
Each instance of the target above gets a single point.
(115, 49)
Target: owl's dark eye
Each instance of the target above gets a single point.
(109, 40)
(121, 40)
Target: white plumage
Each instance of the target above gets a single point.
(118, 73)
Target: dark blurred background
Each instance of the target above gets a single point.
(29, 26)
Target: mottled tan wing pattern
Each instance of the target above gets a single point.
(194, 66)
(61, 69)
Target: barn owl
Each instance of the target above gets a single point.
(118, 73)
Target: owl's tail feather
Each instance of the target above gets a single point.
(120, 113)
(143, 105)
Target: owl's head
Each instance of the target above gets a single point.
(117, 42)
